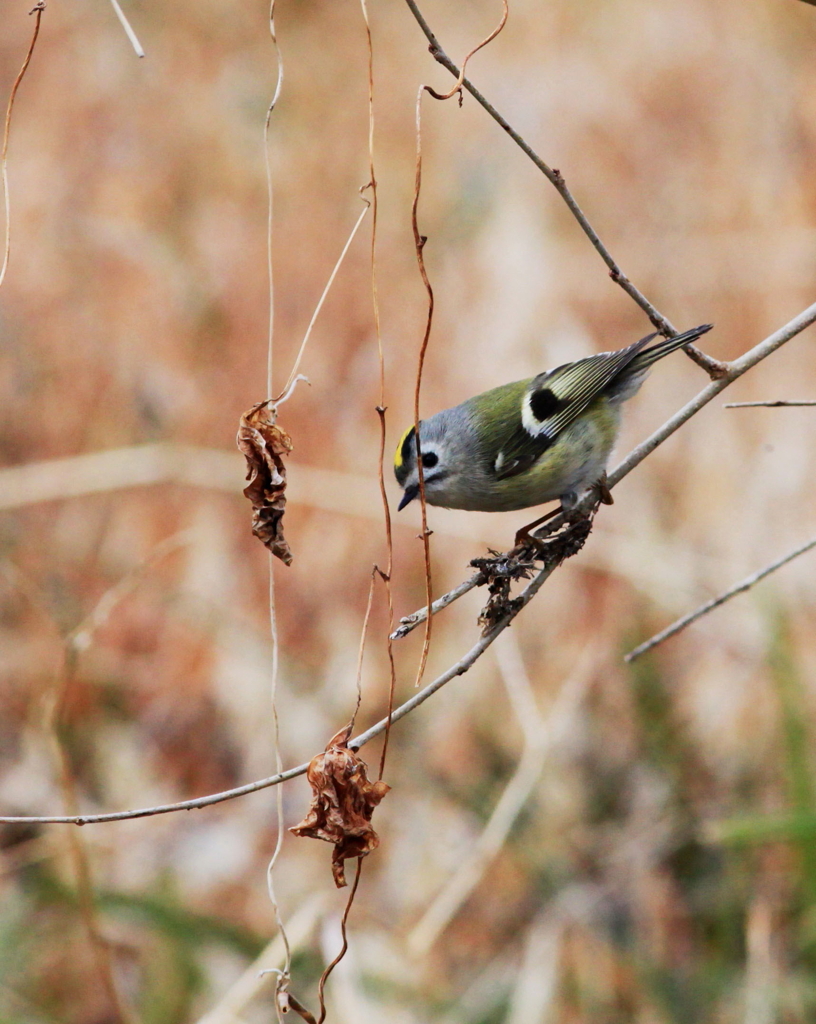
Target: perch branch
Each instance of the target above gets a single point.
(734, 370)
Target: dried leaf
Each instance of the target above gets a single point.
(343, 801)
(263, 443)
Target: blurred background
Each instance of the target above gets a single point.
(568, 839)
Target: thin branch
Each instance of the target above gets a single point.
(461, 76)
(736, 369)
(409, 622)
(375, 303)
(715, 602)
(270, 196)
(419, 245)
(134, 41)
(38, 10)
(326, 290)
(779, 404)
(324, 977)
(273, 619)
(247, 986)
(458, 669)
(712, 366)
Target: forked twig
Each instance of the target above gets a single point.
(408, 623)
(715, 602)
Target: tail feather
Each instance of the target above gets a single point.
(643, 360)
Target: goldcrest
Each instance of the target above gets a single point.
(536, 440)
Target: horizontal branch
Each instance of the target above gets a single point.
(715, 602)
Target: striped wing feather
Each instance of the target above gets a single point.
(574, 386)
(563, 394)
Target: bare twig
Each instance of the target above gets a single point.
(734, 370)
(38, 11)
(270, 194)
(291, 383)
(375, 302)
(238, 996)
(779, 404)
(324, 977)
(461, 76)
(419, 245)
(410, 622)
(326, 290)
(715, 602)
(134, 42)
(712, 366)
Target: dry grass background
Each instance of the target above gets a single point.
(135, 312)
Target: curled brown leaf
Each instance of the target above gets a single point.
(262, 443)
(343, 801)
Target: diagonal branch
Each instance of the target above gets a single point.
(736, 369)
(458, 669)
(715, 602)
(556, 179)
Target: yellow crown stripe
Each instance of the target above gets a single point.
(398, 460)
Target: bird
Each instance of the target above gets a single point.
(532, 441)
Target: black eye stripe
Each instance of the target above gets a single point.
(429, 460)
(544, 403)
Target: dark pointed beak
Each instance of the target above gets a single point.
(411, 492)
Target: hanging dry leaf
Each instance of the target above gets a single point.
(343, 801)
(263, 443)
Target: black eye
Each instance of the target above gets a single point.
(430, 459)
